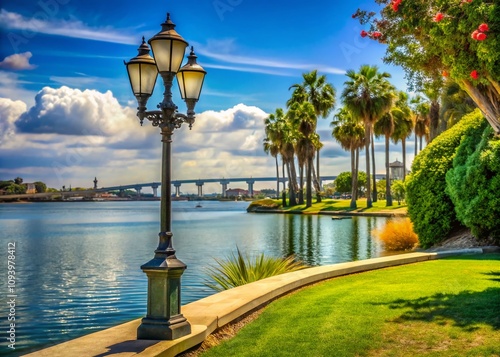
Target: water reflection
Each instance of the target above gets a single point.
(319, 240)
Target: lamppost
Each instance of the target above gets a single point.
(164, 320)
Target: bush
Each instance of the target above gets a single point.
(429, 206)
(397, 235)
(266, 203)
(237, 270)
(474, 184)
(398, 189)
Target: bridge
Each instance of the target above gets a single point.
(250, 181)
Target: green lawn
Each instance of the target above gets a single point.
(334, 205)
(447, 307)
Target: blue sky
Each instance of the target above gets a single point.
(67, 113)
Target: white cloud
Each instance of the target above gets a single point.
(70, 111)
(226, 143)
(53, 26)
(18, 61)
(9, 112)
(10, 87)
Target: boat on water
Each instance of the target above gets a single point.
(198, 205)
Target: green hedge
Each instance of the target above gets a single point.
(429, 206)
(474, 184)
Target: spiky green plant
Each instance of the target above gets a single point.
(239, 269)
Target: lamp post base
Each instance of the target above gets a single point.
(151, 329)
(164, 320)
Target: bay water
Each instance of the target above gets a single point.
(77, 264)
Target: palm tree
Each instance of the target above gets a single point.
(422, 120)
(385, 126)
(368, 95)
(350, 135)
(321, 94)
(303, 116)
(273, 140)
(455, 104)
(288, 154)
(403, 124)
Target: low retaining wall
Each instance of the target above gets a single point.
(208, 314)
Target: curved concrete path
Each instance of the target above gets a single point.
(208, 314)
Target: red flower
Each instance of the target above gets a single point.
(439, 16)
(364, 33)
(474, 34)
(376, 34)
(445, 74)
(395, 7)
(474, 74)
(481, 36)
(483, 28)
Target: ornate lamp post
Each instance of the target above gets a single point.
(164, 320)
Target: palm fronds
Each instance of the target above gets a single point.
(239, 269)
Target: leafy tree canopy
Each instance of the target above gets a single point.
(443, 38)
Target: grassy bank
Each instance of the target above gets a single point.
(329, 205)
(447, 307)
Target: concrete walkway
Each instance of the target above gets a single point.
(208, 314)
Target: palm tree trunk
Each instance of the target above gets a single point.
(301, 184)
(375, 194)
(293, 180)
(487, 99)
(387, 174)
(434, 119)
(316, 185)
(318, 179)
(403, 144)
(354, 178)
(356, 172)
(310, 163)
(368, 177)
(416, 146)
(291, 188)
(277, 177)
(283, 193)
(421, 139)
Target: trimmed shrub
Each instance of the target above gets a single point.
(429, 206)
(265, 203)
(474, 184)
(397, 235)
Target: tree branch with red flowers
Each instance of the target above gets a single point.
(436, 38)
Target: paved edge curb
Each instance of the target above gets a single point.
(210, 313)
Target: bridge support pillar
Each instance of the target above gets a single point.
(155, 190)
(200, 188)
(177, 189)
(138, 189)
(224, 184)
(250, 187)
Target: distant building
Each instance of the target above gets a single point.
(235, 192)
(397, 170)
(30, 188)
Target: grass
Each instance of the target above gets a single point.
(447, 307)
(331, 205)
